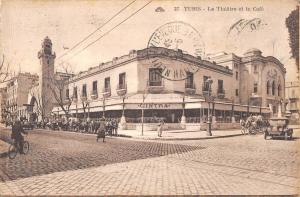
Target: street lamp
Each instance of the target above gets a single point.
(103, 106)
(122, 123)
(143, 114)
(208, 98)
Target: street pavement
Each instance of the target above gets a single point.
(72, 163)
(179, 134)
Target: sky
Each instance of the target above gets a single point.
(24, 24)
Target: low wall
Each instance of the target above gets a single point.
(178, 126)
(153, 126)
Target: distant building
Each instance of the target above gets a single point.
(3, 93)
(30, 96)
(258, 81)
(15, 95)
(292, 94)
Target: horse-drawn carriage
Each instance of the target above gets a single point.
(279, 128)
(274, 127)
(254, 125)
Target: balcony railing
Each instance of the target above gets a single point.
(155, 83)
(155, 86)
(83, 97)
(74, 98)
(67, 99)
(205, 90)
(121, 89)
(106, 92)
(94, 94)
(221, 93)
(190, 88)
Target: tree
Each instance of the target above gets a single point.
(40, 101)
(292, 23)
(4, 70)
(58, 90)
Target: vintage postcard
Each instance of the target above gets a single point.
(149, 97)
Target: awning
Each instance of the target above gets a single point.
(223, 106)
(96, 109)
(193, 105)
(113, 107)
(254, 109)
(240, 108)
(153, 106)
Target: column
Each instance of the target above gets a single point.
(232, 114)
(183, 119)
(122, 123)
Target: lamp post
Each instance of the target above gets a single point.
(103, 106)
(208, 98)
(88, 108)
(122, 123)
(143, 113)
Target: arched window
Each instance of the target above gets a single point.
(273, 88)
(279, 90)
(268, 87)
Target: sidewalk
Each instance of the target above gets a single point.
(3, 148)
(179, 134)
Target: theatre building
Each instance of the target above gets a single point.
(162, 83)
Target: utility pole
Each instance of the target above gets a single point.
(208, 99)
(143, 113)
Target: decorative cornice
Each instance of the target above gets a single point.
(151, 53)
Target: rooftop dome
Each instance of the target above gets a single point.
(253, 51)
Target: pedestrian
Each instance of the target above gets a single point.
(97, 125)
(160, 127)
(108, 127)
(101, 129)
(115, 127)
(16, 135)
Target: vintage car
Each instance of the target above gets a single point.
(279, 128)
(28, 125)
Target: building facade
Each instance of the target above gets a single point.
(131, 87)
(3, 93)
(153, 83)
(15, 95)
(293, 105)
(46, 77)
(258, 81)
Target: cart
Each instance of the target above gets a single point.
(279, 128)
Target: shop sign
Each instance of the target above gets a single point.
(153, 106)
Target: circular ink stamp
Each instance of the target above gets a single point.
(242, 32)
(181, 37)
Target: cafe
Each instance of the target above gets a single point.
(145, 86)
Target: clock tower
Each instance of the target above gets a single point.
(46, 77)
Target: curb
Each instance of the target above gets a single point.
(151, 138)
(175, 139)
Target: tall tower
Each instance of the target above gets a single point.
(46, 77)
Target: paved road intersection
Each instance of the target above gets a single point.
(70, 163)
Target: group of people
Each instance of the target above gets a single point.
(78, 125)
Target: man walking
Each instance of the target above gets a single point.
(101, 129)
(17, 136)
(160, 127)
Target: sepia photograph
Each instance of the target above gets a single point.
(149, 97)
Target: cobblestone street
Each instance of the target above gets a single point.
(72, 163)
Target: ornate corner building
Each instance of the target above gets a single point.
(159, 82)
